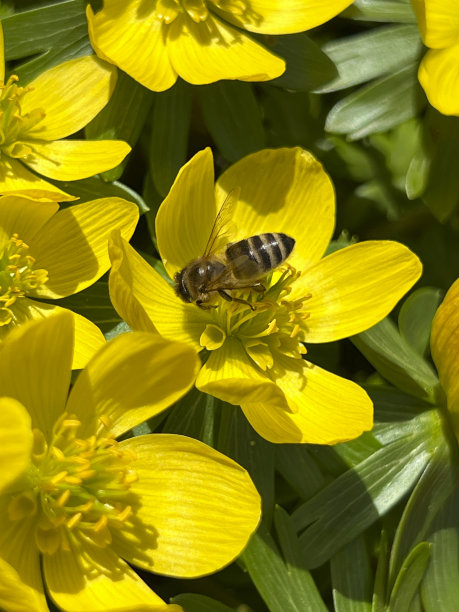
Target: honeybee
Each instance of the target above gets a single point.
(241, 265)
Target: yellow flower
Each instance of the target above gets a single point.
(444, 344)
(255, 357)
(157, 41)
(15, 440)
(47, 253)
(88, 506)
(34, 118)
(438, 22)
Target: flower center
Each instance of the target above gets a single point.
(17, 276)
(197, 10)
(275, 326)
(78, 487)
(14, 125)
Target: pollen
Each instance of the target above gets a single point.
(18, 277)
(78, 488)
(268, 325)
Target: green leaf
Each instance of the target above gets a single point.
(193, 416)
(378, 106)
(122, 118)
(94, 187)
(233, 118)
(356, 499)
(440, 587)
(409, 579)
(169, 135)
(299, 469)
(351, 576)
(308, 67)
(381, 10)
(373, 53)
(94, 304)
(56, 33)
(285, 587)
(380, 583)
(191, 602)
(238, 440)
(396, 360)
(415, 318)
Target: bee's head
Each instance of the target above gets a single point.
(180, 286)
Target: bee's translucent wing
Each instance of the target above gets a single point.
(223, 221)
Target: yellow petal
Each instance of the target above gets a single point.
(134, 377)
(129, 35)
(15, 440)
(211, 50)
(2, 56)
(439, 76)
(15, 594)
(71, 94)
(73, 245)
(23, 217)
(74, 585)
(185, 218)
(231, 376)
(354, 288)
(20, 566)
(71, 160)
(444, 344)
(202, 506)
(329, 409)
(274, 17)
(438, 22)
(283, 190)
(146, 301)
(88, 337)
(35, 368)
(15, 179)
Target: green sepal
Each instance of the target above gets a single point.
(405, 594)
(415, 318)
(192, 602)
(352, 578)
(398, 11)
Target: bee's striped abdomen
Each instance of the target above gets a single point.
(256, 256)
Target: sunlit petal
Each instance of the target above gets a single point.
(129, 35)
(23, 217)
(16, 595)
(202, 506)
(70, 94)
(212, 50)
(15, 179)
(283, 190)
(70, 160)
(438, 22)
(354, 288)
(439, 76)
(15, 440)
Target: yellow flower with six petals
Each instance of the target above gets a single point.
(88, 506)
(47, 254)
(202, 41)
(34, 120)
(255, 357)
(438, 22)
(444, 344)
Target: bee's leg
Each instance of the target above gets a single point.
(204, 306)
(230, 298)
(258, 287)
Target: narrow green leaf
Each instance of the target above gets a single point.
(351, 576)
(378, 106)
(238, 440)
(300, 579)
(380, 583)
(191, 602)
(57, 33)
(299, 469)
(122, 118)
(381, 10)
(440, 587)
(193, 416)
(273, 578)
(373, 53)
(415, 318)
(355, 500)
(233, 118)
(169, 134)
(409, 578)
(396, 361)
(308, 67)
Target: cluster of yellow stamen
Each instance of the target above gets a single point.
(197, 10)
(14, 125)
(268, 325)
(17, 276)
(77, 488)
